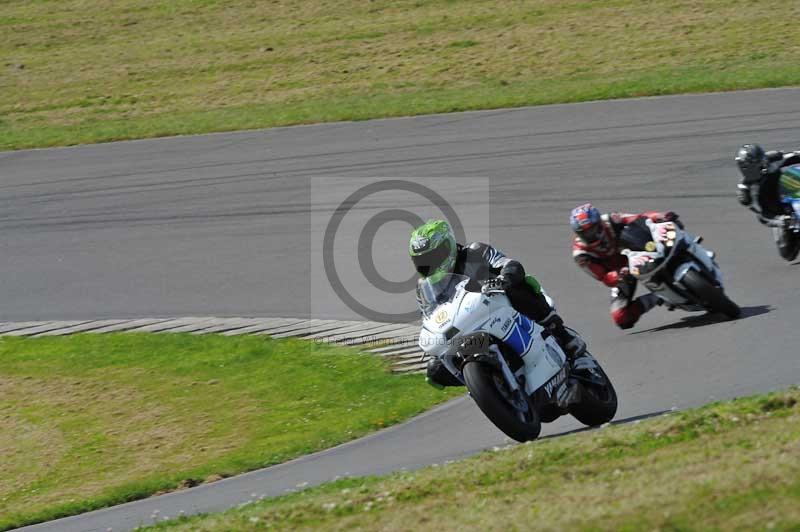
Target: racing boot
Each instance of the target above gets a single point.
(570, 341)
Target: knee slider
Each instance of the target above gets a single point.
(788, 251)
(625, 318)
(438, 376)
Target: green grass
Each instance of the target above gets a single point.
(75, 72)
(726, 466)
(92, 420)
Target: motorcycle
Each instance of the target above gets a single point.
(673, 264)
(513, 367)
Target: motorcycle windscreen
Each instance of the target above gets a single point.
(635, 236)
(431, 293)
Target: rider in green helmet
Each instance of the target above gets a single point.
(435, 253)
(433, 250)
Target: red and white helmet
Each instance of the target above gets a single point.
(591, 229)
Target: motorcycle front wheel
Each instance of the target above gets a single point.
(490, 392)
(712, 297)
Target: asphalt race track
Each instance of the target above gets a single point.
(219, 225)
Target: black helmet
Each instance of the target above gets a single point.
(752, 162)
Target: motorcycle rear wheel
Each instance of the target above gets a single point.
(598, 403)
(483, 387)
(711, 296)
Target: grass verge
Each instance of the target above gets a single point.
(725, 466)
(71, 72)
(93, 420)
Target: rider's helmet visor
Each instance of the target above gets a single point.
(428, 263)
(590, 233)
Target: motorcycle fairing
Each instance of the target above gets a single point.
(519, 337)
(543, 359)
(473, 312)
(790, 183)
(700, 261)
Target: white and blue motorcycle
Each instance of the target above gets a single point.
(513, 368)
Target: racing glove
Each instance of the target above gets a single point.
(743, 194)
(494, 284)
(672, 216)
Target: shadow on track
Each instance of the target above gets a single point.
(690, 322)
(622, 421)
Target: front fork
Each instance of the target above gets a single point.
(708, 259)
(521, 400)
(495, 358)
(508, 375)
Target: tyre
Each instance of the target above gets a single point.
(712, 297)
(598, 402)
(488, 390)
(549, 413)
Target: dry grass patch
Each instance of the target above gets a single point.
(76, 71)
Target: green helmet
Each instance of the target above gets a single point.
(433, 249)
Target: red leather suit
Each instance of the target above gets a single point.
(603, 261)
